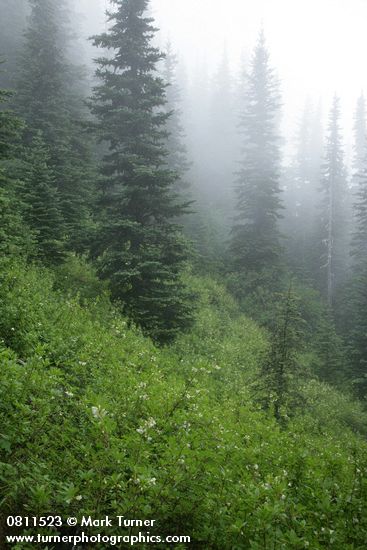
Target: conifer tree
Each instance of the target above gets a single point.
(360, 139)
(204, 226)
(329, 346)
(42, 212)
(357, 328)
(357, 336)
(42, 97)
(277, 388)
(334, 188)
(176, 147)
(223, 145)
(353, 202)
(9, 126)
(255, 243)
(142, 250)
(14, 235)
(47, 100)
(302, 196)
(13, 15)
(198, 109)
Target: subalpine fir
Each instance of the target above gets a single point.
(141, 249)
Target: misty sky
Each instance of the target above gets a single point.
(317, 46)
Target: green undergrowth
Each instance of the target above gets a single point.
(95, 420)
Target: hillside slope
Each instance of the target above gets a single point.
(97, 421)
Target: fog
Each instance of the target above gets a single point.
(317, 47)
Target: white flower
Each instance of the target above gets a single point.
(150, 423)
(79, 497)
(99, 413)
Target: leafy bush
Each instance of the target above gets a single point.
(95, 420)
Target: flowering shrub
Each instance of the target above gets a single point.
(96, 421)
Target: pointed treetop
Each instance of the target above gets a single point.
(261, 41)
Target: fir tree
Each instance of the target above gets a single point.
(357, 328)
(12, 23)
(357, 334)
(142, 250)
(277, 388)
(42, 212)
(9, 126)
(360, 139)
(302, 192)
(255, 243)
(329, 347)
(223, 147)
(176, 148)
(47, 100)
(359, 241)
(204, 225)
(334, 187)
(42, 97)
(14, 235)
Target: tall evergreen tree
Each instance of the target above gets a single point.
(334, 188)
(198, 120)
(255, 243)
(277, 388)
(357, 327)
(9, 126)
(329, 347)
(302, 195)
(205, 225)
(47, 100)
(222, 127)
(221, 149)
(14, 235)
(142, 250)
(42, 212)
(360, 139)
(13, 15)
(176, 147)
